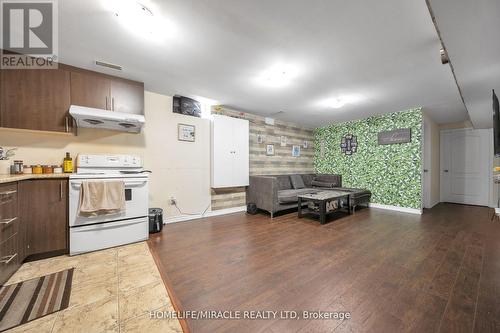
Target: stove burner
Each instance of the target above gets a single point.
(93, 121)
(127, 125)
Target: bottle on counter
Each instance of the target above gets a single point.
(68, 164)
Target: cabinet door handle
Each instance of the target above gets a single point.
(61, 190)
(8, 221)
(113, 103)
(66, 124)
(8, 192)
(6, 261)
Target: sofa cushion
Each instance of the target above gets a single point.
(290, 196)
(335, 180)
(297, 181)
(284, 182)
(317, 183)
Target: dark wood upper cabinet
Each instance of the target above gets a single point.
(101, 91)
(127, 96)
(90, 90)
(35, 99)
(39, 99)
(44, 205)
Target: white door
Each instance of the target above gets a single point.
(222, 148)
(465, 166)
(241, 152)
(427, 163)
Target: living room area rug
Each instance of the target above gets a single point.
(31, 299)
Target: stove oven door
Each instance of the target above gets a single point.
(136, 202)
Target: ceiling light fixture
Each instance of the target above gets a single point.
(140, 18)
(338, 102)
(279, 75)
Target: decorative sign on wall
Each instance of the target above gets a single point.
(349, 144)
(185, 132)
(296, 151)
(402, 135)
(270, 150)
(283, 141)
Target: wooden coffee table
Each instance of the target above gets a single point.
(322, 199)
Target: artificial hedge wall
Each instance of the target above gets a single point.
(391, 172)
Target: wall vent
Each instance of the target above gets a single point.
(108, 65)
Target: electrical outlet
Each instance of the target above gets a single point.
(173, 201)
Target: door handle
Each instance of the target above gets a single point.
(7, 261)
(8, 221)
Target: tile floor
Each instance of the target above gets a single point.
(113, 291)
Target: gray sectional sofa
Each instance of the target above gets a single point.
(276, 193)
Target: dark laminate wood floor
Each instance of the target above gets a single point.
(394, 272)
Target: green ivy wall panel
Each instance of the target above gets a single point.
(391, 172)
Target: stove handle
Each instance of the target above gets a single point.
(127, 184)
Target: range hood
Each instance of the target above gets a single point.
(105, 119)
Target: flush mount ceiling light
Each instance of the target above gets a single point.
(279, 75)
(338, 102)
(140, 18)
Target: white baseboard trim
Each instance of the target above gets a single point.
(397, 208)
(183, 218)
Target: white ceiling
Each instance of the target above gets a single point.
(471, 33)
(384, 52)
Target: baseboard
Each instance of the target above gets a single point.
(397, 208)
(183, 218)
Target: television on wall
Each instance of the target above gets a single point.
(496, 124)
(186, 106)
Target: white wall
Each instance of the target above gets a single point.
(180, 169)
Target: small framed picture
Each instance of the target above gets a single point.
(260, 139)
(306, 144)
(296, 151)
(270, 150)
(283, 141)
(185, 132)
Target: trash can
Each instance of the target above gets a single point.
(155, 220)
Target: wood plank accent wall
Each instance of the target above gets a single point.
(281, 163)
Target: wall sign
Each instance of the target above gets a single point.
(349, 144)
(402, 135)
(185, 132)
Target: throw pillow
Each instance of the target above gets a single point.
(297, 181)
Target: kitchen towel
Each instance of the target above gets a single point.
(102, 197)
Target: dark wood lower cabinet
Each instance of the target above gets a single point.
(44, 205)
(33, 222)
(11, 251)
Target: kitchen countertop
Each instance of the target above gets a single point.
(15, 178)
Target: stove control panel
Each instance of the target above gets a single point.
(108, 161)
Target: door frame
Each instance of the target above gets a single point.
(441, 162)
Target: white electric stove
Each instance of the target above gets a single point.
(99, 232)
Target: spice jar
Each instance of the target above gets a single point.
(37, 169)
(18, 167)
(57, 169)
(48, 169)
(27, 169)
